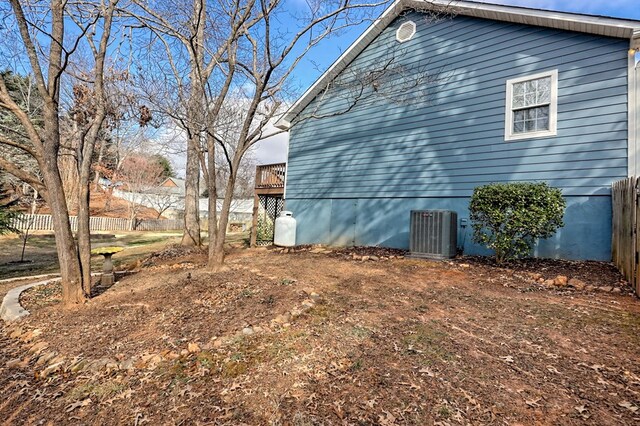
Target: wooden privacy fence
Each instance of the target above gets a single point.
(625, 228)
(44, 222)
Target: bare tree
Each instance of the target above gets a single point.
(23, 91)
(140, 175)
(184, 34)
(239, 57)
(161, 200)
(256, 70)
(48, 41)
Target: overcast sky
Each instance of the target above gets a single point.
(274, 150)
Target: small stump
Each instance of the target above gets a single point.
(108, 278)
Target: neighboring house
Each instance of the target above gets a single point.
(177, 186)
(241, 210)
(168, 197)
(515, 94)
(174, 185)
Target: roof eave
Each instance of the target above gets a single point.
(597, 25)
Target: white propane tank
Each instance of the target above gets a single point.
(285, 232)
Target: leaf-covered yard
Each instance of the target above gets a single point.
(318, 337)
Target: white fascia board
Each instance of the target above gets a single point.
(611, 27)
(599, 25)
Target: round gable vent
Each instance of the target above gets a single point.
(406, 31)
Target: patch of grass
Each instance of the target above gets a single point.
(97, 390)
(427, 341)
(357, 365)
(179, 372)
(238, 237)
(321, 313)
(207, 360)
(361, 332)
(145, 241)
(444, 411)
(284, 346)
(234, 367)
(246, 293)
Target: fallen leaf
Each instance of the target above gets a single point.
(78, 404)
(387, 419)
(413, 386)
(552, 369)
(533, 402)
(629, 406)
(337, 408)
(426, 371)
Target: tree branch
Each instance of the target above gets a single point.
(23, 175)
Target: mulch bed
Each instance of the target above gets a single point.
(597, 275)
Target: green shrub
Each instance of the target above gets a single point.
(265, 229)
(509, 217)
(6, 220)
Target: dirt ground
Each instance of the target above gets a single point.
(387, 342)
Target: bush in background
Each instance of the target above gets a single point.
(509, 217)
(6, 220)
(265, 229)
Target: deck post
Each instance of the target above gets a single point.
(254, 223)
(270, 185)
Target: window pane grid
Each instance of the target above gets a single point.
(531, 102)
(530, 93)
(531, 120)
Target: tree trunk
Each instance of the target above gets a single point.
(216, 246)
(72, 290)
(68, 159)
(70, 179)
(84, 230)
(34, 203)
(196, 106)
(96, 179)
(191, 235)
(212, 187)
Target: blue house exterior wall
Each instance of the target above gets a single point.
(353, 178)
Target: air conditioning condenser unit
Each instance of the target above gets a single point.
(433, 234)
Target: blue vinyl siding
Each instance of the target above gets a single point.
(436, 149)
(385, 222)
(454, 141)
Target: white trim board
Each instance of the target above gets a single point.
(633, 144)
(509, 135)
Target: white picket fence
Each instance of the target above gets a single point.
(44, 222)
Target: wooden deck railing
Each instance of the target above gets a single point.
(270, 175)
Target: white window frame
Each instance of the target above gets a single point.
(509, 135)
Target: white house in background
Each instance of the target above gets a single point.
(241, 209)
(168, 199)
